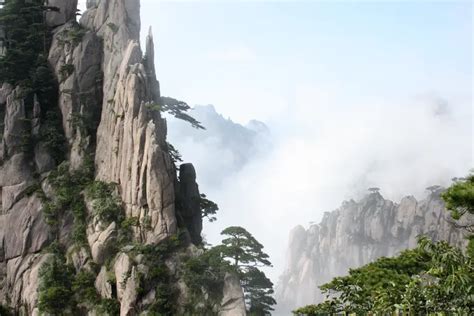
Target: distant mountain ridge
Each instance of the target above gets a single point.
(356, 234)
(234, 145)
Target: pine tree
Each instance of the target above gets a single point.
(246, 254)
(26, 39)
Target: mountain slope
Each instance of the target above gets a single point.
(94, 218)
(356, 234)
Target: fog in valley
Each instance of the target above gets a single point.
(333, 115)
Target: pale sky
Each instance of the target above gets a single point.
(355, 94)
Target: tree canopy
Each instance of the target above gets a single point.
(459, 199)
(208, 208)
(26, 38)
(242, 248)
(246, 255)
(435, 277)
(177, 109)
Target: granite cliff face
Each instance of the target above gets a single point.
(353, 235)
(105, 84)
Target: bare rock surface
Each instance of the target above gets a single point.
(233, 303)
(354, 235)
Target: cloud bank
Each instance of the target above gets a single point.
(323, 153)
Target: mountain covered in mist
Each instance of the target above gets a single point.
(223, 148)
(356, 233)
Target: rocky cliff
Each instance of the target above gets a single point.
(95, 191)
(356, 234)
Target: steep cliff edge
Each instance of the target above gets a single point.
(356, 234)
(90, 197)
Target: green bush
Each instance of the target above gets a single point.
(206, 272)
(109, 306)
(5, 310)
(106, 202)
(55, 294)
(84, 288)
(68, 187)
(65, 71)
(159, 277)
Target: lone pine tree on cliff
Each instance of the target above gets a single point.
(246, 255)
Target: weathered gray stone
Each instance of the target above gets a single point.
(23, 282)
(122, 270)
(67, 12)
(103, 245)
(79, 257)
(44, 162)
(15, 170)
(129, 296)
(12, 194)
(233, 303)
(109, 87)
(92, 4)
(353, 235)
(102, 283)
(15, 123)
(25, 231)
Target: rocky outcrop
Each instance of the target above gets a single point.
(356, 234)
(189, 202)
(106, 89)
(233, 302)
(66, 11)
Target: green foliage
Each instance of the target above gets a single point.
(26, 37)
(65, 71)
(106, 202)
(5, 311)
(331, 307)
(84, 288)
(459, 198)
(68, 187)
(51, 134)
(246, 254)
(205, 275)
(242, 248)
(72, 35)
(55, 294)
(68, 196)
(176, 108)
(27, 40)
(61, 292)
(174, 154)
(79, 122)
(158, 277)
(434, 277)
(109, 306)
(258, 292)
(146, 223)
(208, 208)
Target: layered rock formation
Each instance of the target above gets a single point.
(105, 84)
(356, 234)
